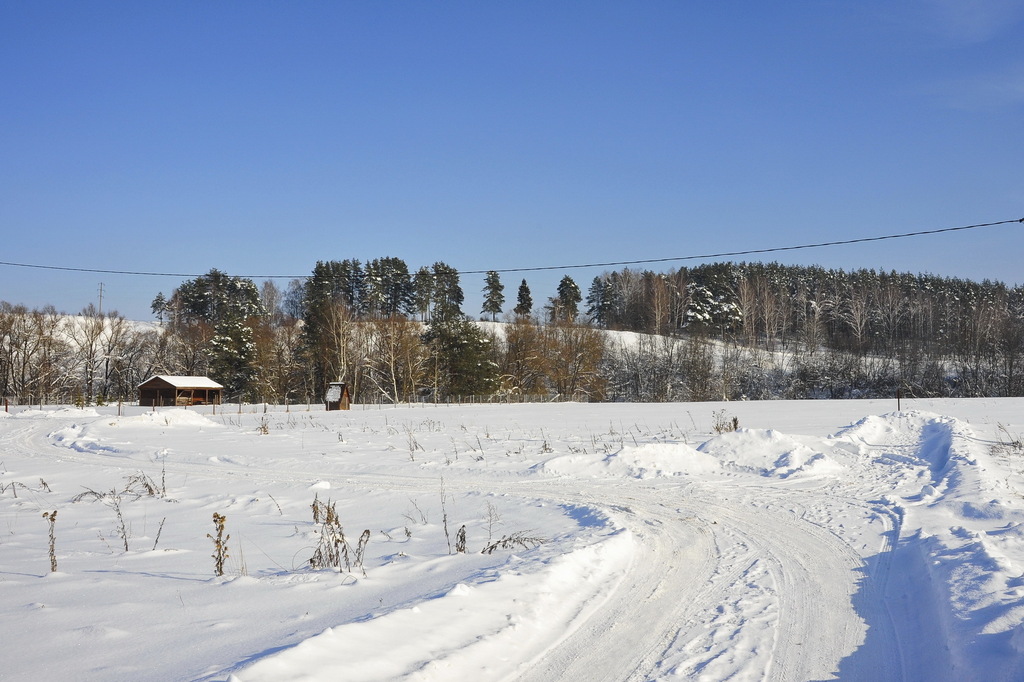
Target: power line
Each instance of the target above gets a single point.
(776, 249)
(707, 256)
(105, 272)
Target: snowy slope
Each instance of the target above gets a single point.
(823, 540)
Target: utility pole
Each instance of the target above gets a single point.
(101, 299)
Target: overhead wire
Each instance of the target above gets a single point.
(643, 261)
(749, 252)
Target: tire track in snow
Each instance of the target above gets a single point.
(819, 514)
(697, 549)
(814, 575)
(698, 608)
(666, 582)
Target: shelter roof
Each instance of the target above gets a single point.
(185, 381)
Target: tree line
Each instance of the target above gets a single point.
(717, 331)
(805, 332)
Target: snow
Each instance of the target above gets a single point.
(822, 540)
(186, 381)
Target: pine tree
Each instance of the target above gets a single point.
(494, 297)
(351, 282)
(328, 318)
(524, 301)
(216, 297)
(388, 289)
(423, 292)
(447, 293)
(215, 314)
(159, 306)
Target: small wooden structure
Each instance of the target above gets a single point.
(160, 391)
(338, 397)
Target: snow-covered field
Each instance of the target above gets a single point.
(823, 540)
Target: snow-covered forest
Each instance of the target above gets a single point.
(723, 331)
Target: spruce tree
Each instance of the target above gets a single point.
(232, 354)
(493, 296)
(568, 301)
(524, 301)
(599, 301)
(461, 362)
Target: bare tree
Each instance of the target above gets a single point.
(397, 360)
(523, 362)
(574, 360)
(85, 332)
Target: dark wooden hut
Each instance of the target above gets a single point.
(175, 390)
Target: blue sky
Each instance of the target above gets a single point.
(260, 137)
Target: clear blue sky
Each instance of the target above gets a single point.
(260, 137)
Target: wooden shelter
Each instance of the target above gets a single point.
(338, 396)
(159, 391)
